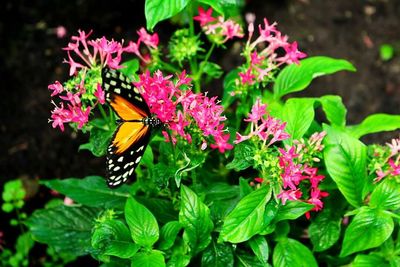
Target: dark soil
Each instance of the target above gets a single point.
(31, 56)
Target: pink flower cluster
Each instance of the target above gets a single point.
(392, 165)
(262, 54)
(266, 128)
(294, 172)
(219, 29)
(102, 52)
(74, 111)
(181, 109)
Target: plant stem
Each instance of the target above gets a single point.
(200, 72)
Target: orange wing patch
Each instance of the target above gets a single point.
(126, 110)
(127, 134)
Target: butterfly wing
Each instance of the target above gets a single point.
(132, 135)
(115, 83)
(125, 151)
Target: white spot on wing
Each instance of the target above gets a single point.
(120, 159)
(137, 160)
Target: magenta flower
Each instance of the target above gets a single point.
(150, 40)
(56, 87)
(183, 111)
(247, 77)
(100, 94)
(263, 126)
(292, 54)
(286, 195)
(204, 17)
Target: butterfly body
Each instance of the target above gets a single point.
(133, 130)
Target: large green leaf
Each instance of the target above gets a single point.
(370, 260)
(369, 229)
(386, 195)
(292, 210)
(259, 246)
(158, 10)
(298, 113)
(374, 124)
(67, 229)
(324, 230)
(142, 223)
(162, 209)
(91, 191)
(345, 160)
(153, 258)
(334, 109)
(290, 252)
(294, 78)
(217, 255)
(195, 217)
(247, 218)
(168, 234)
(113, 238)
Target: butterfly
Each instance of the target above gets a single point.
(133, 132)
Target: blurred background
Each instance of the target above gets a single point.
(362, 32)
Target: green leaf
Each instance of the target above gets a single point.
(374, 124)
(98, 141)
(370, 260)
(91, 191)
(218, 191)
(259, 246)
(216, 5)
(386, 52)
(386, 195)
(245, 259)
(7, 207)
(67, 229)
(112, 238)
(195, 217)
(211, 69)
(345, 160)
(130, 67)
(292, 210)
(247, 218)
(294, 78)
(290, 252)
(299, 114)
(334, 109)
(217, 255)
(243, 157)
(229, 86)
(324, 231)
(158, 10)
(24, 244)
(162, 209)
(168, 234)
(142, 223)
(153, 258)
(369, 229)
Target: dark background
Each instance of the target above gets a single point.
(31, 58)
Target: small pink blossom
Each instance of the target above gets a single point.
(247, 77)
(151, 40)
(394, 147)
(204, 17)
(292, 54)
(100, 94)
(258, 110)
(286, 195)
(56, 87)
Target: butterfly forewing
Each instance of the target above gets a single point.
(132, 134)
(117, 83)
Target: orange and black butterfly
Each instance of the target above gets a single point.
(133, 130)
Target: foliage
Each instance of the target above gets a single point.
(254, 180)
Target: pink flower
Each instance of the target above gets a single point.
(289, 195)
(231, 29)
(56, 87)
(394, 147)
(247, 77)
(100, 94)
(292, 54)
(258, 110)
(268, 29)
(148, 39)
(204, 17)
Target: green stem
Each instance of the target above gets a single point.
(169, 67)
(104, 114)
(200, 72)
(193, 61)
(19, 221)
